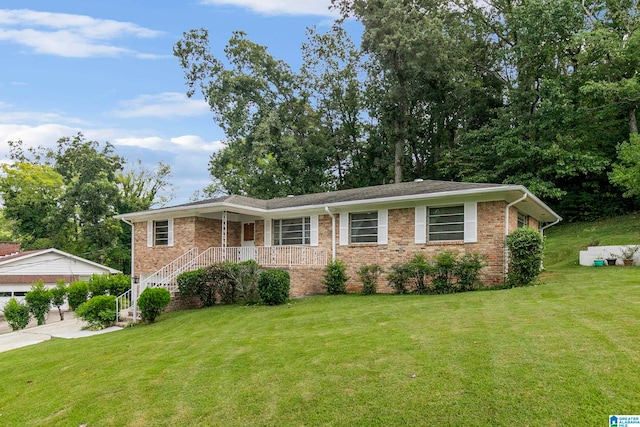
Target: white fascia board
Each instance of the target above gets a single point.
(182, 211)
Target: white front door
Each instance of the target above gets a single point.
(248, 241)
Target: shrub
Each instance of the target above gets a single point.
(246, 275)
(444, 264)
(192, 283)
(77, 294)
(420, 270)
(399, 277)
(39, 301)
(335, 278)
(525, 247)
(152, 302)
(273, 286)
(99, 312)
(109, 284)
(58, 295)
(220, 277)
(466, 271)
(17, 314)
(369, 275)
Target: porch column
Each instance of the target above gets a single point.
(223, 232)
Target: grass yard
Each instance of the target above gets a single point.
(564, 353)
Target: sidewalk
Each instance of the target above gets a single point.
(70, 327)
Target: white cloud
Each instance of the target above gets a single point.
(178, 144)
(67, 35)
(165, 105)
(280, 7)
(32, 117)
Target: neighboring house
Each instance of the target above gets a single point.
(18, 270)
(383, 224)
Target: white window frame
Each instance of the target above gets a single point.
(305, 225)
(152, 233)
(523, 220)
(461, 223)
(374, 230)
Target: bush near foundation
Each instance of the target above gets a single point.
(152, 303)
(335, 278)
(446, 272)
(369, 275)
(274, 286)
(525, 246)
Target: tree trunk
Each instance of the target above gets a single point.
(633, 123)
(61, 313)
(398, 160)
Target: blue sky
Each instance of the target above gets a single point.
(106, 69)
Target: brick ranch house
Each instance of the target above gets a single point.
(383, 224)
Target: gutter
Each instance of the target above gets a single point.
(333, 233)
(506, 231)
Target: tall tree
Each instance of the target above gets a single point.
(272, 146)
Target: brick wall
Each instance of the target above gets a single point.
(205, 232)
(401, 247)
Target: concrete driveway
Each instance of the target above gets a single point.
(68, 328)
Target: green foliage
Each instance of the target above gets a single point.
(39, 301)
(335, 277)
(58, 295)
(78, 292)
(99, 311)
(221, 278)
(369, 275)
(246, 275)
(447, 272)
(109, 284)
(400, 277)
(420, 269)
(273, 286)
(152, 302)
(17, 314)
(525, 247)
(66, 197)
(216, 281)
(444, 264)
(193, 283)
(466, 271)
(626, 173)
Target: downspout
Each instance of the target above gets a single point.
(506, 232)
(333, 233)
(542, 236)
(134, 286)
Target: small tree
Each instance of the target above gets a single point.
(17, 314)
(39, 301)
(335, 278)
(525, 247)
(152, 302)
(369, 275)
(58, 295)
(77, 294)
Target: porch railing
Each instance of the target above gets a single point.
(271, 256)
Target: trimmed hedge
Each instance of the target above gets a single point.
(99, 312)
(152, 302)
(274, 286)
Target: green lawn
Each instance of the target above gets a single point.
(564, 353)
